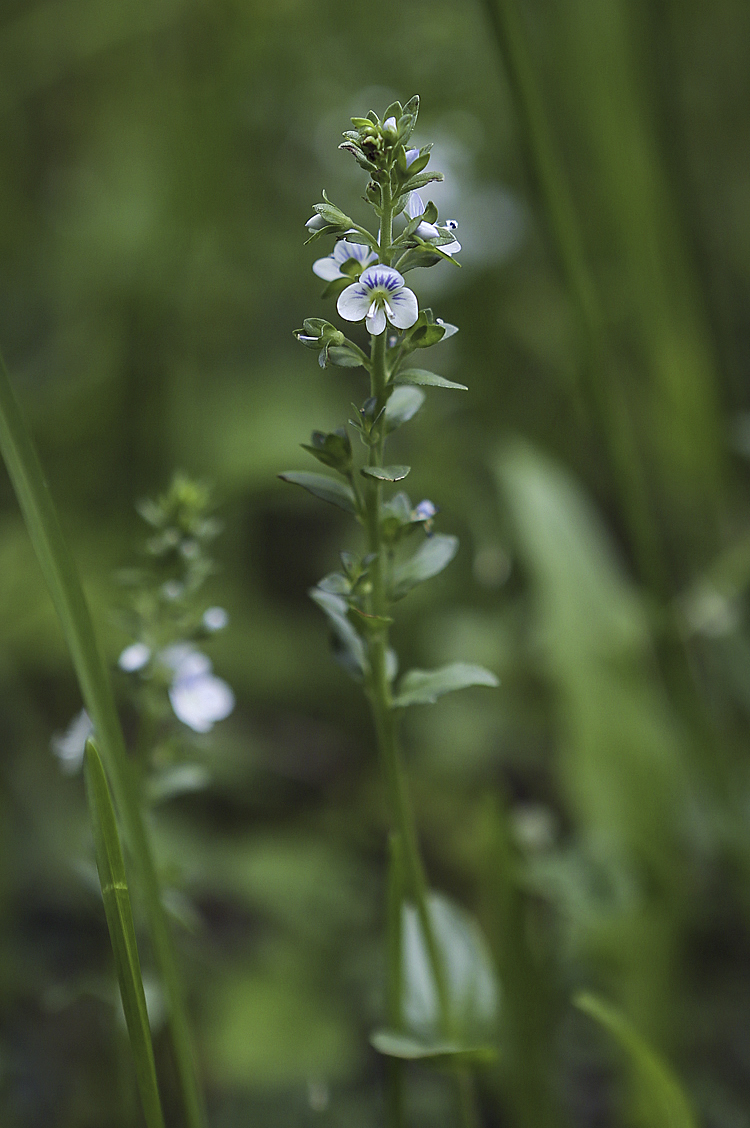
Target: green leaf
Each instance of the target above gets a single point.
(328, 489)
(336, 608)
(403, 405)
(471, 986)
(113, 881)
(344, 356)
(423, 687)
(431, 557)
(333, 449)
(392, 1044)
(386, 473)
(427, 379)
(419, 181)
(661, 1099)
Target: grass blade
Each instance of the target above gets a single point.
(113, 881)
(61, 576)
(661, 1100)
(605, 394)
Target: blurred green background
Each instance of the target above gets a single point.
(157, 164)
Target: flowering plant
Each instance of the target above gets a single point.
(442, 993)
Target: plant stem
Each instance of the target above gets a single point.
(62, 579)
(378, 684)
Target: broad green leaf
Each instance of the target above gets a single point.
(113, 881)
(335, 607)
(403, 404)
(328, 489)
(386, 473)
(472, 990)
(434, 554)
(427, 379)
(625, 781)
(661, 1100)
(423, 687)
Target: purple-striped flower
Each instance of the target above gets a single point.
(379, 294)
(330, 268)
(430, 231)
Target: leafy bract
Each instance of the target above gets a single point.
(403, 404)
(430, 558)
(328, 489)
(352, 650)
(423, 687)
(386, 473)
(422, 377)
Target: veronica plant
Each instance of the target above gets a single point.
(442, 996)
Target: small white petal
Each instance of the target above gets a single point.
(425, 511)
(201, 701)
(315, 223)
(304, 340)
(375, 319)
(185, 661)
(69, 747)
(414, 205)
(354, 302)
(451, 248)
(215, 618)
(390, 124)
(134, 657)
(403, 308)
(427, 231)
(449, 329)
(327, 269)
(411, 155)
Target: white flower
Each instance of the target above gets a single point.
(215, 618)
(70, 746)
(134, 657)
(430, 231)
(330, 268)
(411, 155)
(380, 293)
(198, 698)
(315, 223)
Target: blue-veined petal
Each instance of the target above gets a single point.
(354, 301)
(402, 308)
(383, 278)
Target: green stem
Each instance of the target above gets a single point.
(378, 687)
(467, 1100)
(62, 579)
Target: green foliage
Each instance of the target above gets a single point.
(429, 560)
(423, 687)
(660, 1100)
(327, 489)
(114, 886)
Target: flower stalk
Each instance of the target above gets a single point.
(432, 1011)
